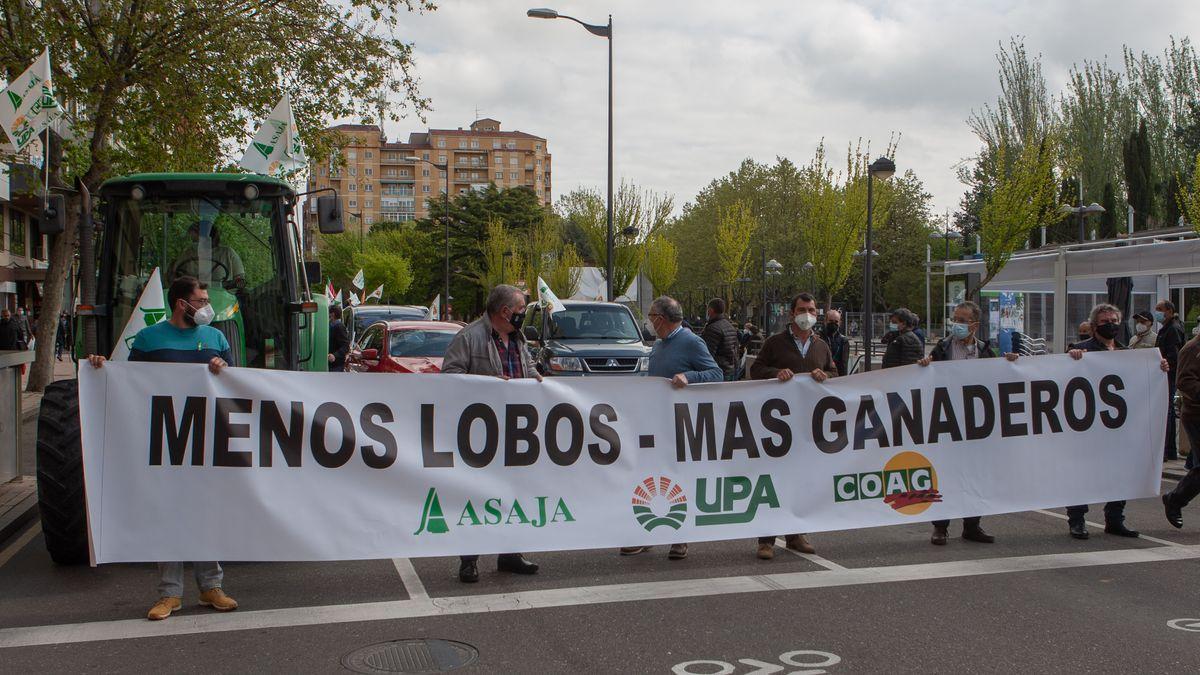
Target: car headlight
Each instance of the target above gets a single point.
(644, 364)
(566, 364)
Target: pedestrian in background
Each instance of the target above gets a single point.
(721, 338)
(1144, 335)
(63, 336)
(1085, 331)
(1106, 326)
(493, 345)
(10, 332)
(962, 344)
(838, 344)
(1187, 383)
(903, 346)
(339, 340)
(1170, 338)
(681, 356)
(797, 350)
(186, 337)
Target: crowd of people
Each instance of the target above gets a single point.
(811, 346)
(18, 331)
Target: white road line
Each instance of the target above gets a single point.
(32, 636)
(410, 578)
(1100, 527)
(811, 557)
(15, 547)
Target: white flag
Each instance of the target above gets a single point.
(548, 299)
(354, 301)
(29, 106)
(150, 310)
(338, 298)
(359, 281)
(276, 149)
(377, 293)
(435, 308)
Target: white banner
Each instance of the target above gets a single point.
(275, 149)
(264, 465)
(28, 104)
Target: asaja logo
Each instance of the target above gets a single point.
(493, 511)
(652, 497)
(907, 483)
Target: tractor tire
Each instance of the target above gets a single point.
(60, 474)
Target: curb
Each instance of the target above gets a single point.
(15, 519)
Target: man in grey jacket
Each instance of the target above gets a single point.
(493, 345)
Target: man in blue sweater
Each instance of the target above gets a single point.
(682, 356)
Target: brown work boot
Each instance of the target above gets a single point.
(798, 542)
(163, 608)
(677, 552)
(216, 598)
(939, 536)
(766, 551)
(634, 550)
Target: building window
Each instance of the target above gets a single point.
(499, 175)
(404, 172)
(425, 188)
(441, 159)
(441, 144)
(354, 186)
(512, 161)
(537, 146)
(474, 145)
(353, 171)
(495, 145)
(36, 240)
(425, 172)
(369, 187)
(351, 154)
(389, 172)
(442, 174)
(368, 204)
(368, 219)
(512, 175)
(462, 145)
(511, 145)
(369, 155)
(353, 203)
(425, 155)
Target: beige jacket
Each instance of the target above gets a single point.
(473, 352)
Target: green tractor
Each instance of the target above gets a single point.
(236, 232)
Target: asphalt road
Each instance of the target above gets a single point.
(872, 600)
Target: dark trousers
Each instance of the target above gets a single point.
(1114, 513)
(968, 523)
(1189, 487)
(475, 558)
(1171, 448)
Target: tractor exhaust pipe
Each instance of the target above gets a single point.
(87, 266)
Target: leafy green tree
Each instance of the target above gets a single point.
(1189, 198)
(1139, 179)
(661, 264)
(170, 85)
(564, 275)
(1108, 220)
(637, 214)
(734, 230)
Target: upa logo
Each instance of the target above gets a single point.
(659, 502)
(907, 483)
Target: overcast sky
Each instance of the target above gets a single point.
(700, 86)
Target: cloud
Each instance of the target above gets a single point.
(699, 86)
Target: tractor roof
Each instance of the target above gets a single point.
(130, 180)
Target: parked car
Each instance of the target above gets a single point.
(402, 347)
(358, 318)
(588, 338)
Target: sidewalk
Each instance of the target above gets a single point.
(18, 497)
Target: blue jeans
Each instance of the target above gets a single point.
(208, 576)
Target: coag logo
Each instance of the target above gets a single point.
(652, 497)
(907, 483)
(494, 511)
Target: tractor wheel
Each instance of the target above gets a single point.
(60, 474)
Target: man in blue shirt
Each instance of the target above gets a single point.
(682, 356)
(184, 338)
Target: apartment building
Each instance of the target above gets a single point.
(23, 248)
(380, 181)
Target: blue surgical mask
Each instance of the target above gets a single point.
(1159, 316)
(893, 327)
(959, 331)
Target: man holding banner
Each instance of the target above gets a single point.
(184, 338)
(493, 345)
(1106, 326)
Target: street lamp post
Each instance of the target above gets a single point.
(361, 229)
(883, 168)
(770, 268)
(808, 268)
(604, 32)
(446, 224)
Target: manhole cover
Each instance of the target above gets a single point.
(410, 656)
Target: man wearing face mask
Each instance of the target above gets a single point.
(962, 344)
(795, 351)
(1085, 331)
(1144, 335)
(1170, 338)
(184, 338)
(838, 344)
(1106, 326)
(493, 345)
(904, 348)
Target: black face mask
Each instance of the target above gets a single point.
(1108, 331)
(516, 320)
(1085, 336)
(831, 328)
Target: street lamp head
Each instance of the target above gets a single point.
(774, 265)
(807, 266)
(883, 168)
(542, 13)
(412, 159)
(1093, 208)
(630, 231)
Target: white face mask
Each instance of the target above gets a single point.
(1142, 329)
(805, 321)
(203, 316)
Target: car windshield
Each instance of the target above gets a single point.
(420, 342)
(594, 322)
(366, 317)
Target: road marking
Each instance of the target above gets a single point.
(410, 578)
(15, 547)
(31, 636)
(811, 557)
(1100, 527)
(1189, 625)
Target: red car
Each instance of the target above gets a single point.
(402, 347)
